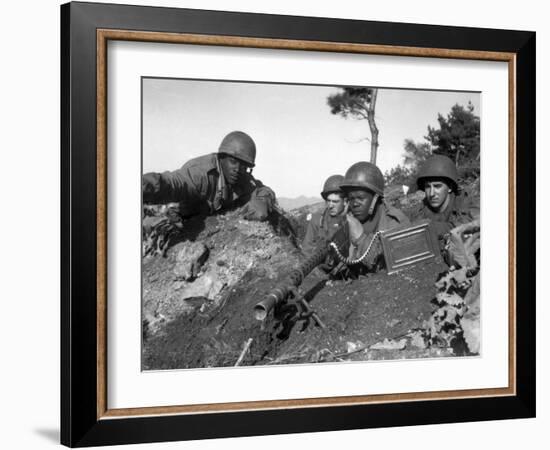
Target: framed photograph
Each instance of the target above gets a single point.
(278, 224)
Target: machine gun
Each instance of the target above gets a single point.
(288, 291)
(402, 247)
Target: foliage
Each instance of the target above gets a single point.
(358, 103)
(416, 154)
(457, 136)
(351, 102)
(456, 321)
(399, 175)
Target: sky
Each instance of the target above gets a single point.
(299, 142)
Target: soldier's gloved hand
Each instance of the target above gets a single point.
(149, 223)
(256, 209)
(255, 215)
(355, 228)
(150, 186)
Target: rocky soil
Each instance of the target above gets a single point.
(198, 302)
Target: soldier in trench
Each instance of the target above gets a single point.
(368, 214)
(322, 225)
(357, 239)
(445, 205)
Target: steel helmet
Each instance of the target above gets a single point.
(364, 175)
(332, 185)
(438, 166)
(239, 145)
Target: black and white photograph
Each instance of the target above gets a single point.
(302, 224)
(257, 225)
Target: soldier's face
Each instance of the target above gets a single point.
(232, 168)
(437, 194)
(359, 203)
(335, 204)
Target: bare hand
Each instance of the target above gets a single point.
(346, 208)
(464, 243)
(355, 227)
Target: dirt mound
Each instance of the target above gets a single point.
(207, 320)
(198, 303)
(232, 247)
(358, 314)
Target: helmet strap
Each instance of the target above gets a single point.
(373, 204)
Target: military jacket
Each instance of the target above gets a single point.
(386, 218)
(461, 209)
(321, 227)
(200, 188)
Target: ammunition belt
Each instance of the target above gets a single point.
(350, 261)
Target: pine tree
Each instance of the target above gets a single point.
(359, 103)
(457, 136)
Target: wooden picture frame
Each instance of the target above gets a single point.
(86, 418)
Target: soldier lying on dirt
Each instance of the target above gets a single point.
(444, 205)
(208, 185)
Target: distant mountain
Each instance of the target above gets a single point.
(289, 204)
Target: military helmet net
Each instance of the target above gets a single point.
(332, 185)
(239, 145)
(364, 175)
(438, 166)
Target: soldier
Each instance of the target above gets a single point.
(443, 205)
(322, 225)
(368, 214)
(214, 183)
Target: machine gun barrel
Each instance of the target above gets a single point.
(281, 293)
(276, 296)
